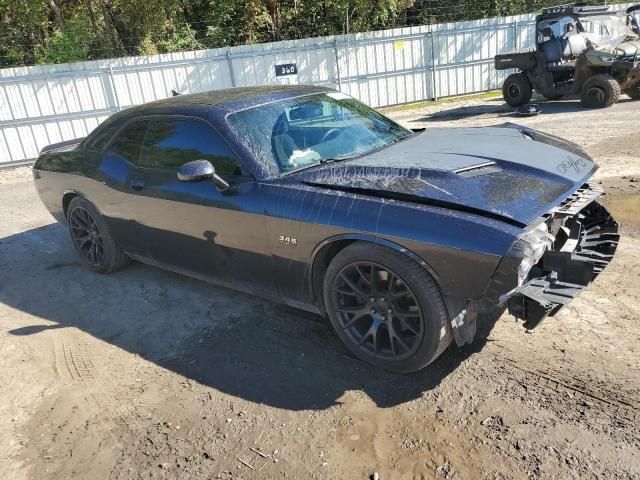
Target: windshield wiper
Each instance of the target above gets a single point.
(324, 161)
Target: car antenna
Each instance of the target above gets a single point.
(174, 93)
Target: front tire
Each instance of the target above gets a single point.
(600, 91)
(386, 308)
(517, 90)
(92, 239)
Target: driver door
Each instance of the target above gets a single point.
(191, 226)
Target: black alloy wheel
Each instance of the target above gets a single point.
(92, 238)
(86, 236)
(386, 307)
(378, 311)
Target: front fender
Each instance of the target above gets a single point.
(352, 237)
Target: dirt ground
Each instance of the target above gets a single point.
(148, 374)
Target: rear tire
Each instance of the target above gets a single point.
(600, 91)
(92, 239)
(400, 322)
(634, 91)
(517, 90)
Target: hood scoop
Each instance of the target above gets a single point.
(477, 170)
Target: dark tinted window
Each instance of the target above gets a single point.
(99, 137)
(129, 140)
(172, 142)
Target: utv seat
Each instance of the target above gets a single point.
(577, 44)
(553, 51)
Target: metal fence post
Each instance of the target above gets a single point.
(112, 91)
(434, 76)
(515, 35)
(337, 57)
(231, 72)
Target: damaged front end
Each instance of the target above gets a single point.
(559, 257)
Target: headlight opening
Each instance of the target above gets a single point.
(537, 241)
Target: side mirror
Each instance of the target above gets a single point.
(201, 170)
(196, 171)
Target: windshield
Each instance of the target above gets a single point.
(606, 29)
(304, 131)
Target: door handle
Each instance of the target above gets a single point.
(137, 184)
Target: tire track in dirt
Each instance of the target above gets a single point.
(73, 361)
(621, 405)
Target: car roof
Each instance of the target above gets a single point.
(233, 99)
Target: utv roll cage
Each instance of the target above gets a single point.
(574, 10)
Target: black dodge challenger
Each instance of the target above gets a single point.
(306, 196)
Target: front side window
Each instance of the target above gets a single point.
(304, 131)
(171, 142)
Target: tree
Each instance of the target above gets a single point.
(37, 31)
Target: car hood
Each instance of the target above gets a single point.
(509, 172)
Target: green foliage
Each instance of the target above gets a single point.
(71, 44)
(52, 31)
(182, 39)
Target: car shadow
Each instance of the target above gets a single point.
(468, 111)
(235, 343)
(497, 108)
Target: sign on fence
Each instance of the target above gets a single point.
(285, 69)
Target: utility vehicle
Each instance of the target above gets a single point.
(590, 51)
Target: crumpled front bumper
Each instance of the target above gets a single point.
(565, 270)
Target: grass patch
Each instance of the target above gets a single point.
(432, 103)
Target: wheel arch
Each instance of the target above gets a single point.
(326, 250)
(69, 195)
(66, 200)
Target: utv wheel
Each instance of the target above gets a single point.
(92, 239)
(386, 308)
(634, 91)
(517, 90)
(600, 91)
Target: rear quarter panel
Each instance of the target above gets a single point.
(56, 173)
(83, 172)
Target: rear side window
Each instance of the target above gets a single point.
(172, 142)
(102, 134)
(128, 142)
